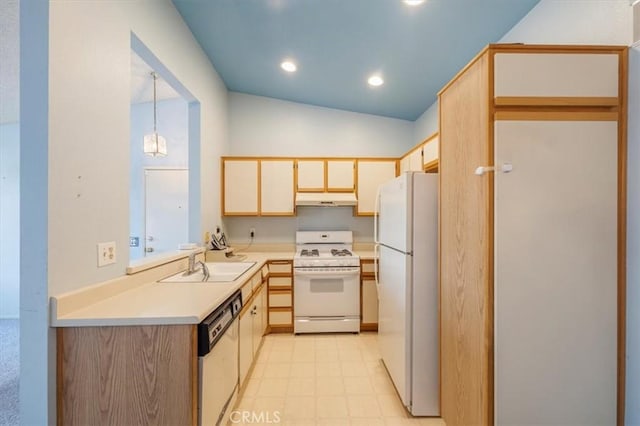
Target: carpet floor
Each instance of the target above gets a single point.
(9, 371)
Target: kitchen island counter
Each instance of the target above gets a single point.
(125, 302)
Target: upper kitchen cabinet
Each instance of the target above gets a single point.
(311, 175)
(341, 175)
(532, 236)
(371, 173)
(326, 175)
(430, 152)
(277, 187)
(240, 195)
(412, 160)
(257, 187)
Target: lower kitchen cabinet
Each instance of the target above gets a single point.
(369, 295)
(280, 297)
(127, 375)
(252, 328)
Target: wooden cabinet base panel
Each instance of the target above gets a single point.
(127, 375)
(369, 327)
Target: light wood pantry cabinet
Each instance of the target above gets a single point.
(326, 175)
(258, 186)
(371, 173)
(532, 237)
(369, 296)
(430, 151)
(127, 375)
(280, 296)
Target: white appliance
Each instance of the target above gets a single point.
(326, 283)
(218, 339)
(406, 236)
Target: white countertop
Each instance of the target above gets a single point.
(157, 303)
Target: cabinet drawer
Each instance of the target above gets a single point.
(280, 318)
(556, 75)
(280, 300)
(280, 268)
(256, 280)
(368, 268)
(279, 282)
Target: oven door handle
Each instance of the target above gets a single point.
(347, 273)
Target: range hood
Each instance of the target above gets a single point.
(326, 199)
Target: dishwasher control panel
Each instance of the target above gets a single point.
(213, 326)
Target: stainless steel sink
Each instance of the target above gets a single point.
(218, 272)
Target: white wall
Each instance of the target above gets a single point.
(260, 126)
(90, 48)
(574, 22)
(283, 229)
(603, 22)
(172, 125)
(633, 243)
(270, 127)
(427, 124)
(82, 50)
(9, 220)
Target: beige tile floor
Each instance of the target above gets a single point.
(322, 379)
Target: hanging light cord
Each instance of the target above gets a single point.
(155, 77)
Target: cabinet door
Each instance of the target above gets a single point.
(258, 319)
(415, 160)
(246, 344)
(240, 187)
(369, 301)
(556, 271)
(534, 75)
(340, 175)
(405, 164)
(276, 187)
(430, 153)
(311, 176)
(371, 173)
(465, 240)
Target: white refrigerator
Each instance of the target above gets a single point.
(406, 236)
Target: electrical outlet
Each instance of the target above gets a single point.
(252, 232)
(106, 253)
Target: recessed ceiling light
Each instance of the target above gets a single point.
(375, 80)
(288, 66)
(413, 2)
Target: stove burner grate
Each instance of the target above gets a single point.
(343, 252)
(310, 253)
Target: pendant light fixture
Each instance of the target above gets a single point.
(154, 144)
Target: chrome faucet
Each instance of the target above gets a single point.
(192, 269)
(205, 270)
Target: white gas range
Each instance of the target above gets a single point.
(326, 283)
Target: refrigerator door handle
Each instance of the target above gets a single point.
(376, 210)
(375, 269)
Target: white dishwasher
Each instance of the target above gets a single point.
(218, 363)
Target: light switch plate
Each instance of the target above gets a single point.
(106, 253)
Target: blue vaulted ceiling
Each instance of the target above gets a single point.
(337, 44)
